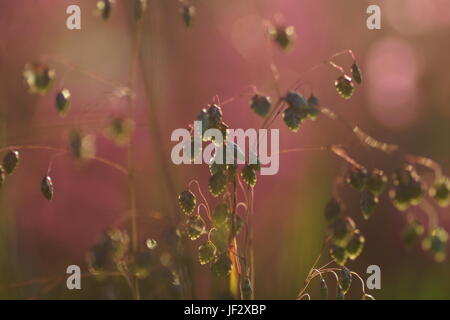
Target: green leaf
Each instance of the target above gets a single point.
(187, 202)
(10, 161)
(217, 183)
(249, 175)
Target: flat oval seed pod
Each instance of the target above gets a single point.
(344, 86)
(10, 161)
(260, 104)
(206, 252)
(222, 266)
(188, 13)
(356, 73)
(187, 202)
(63, 101)
(47, 188)
(39, 77)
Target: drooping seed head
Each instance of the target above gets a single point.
(104, 8)
(345, 279)
(412, 233)
(376, 181)
(249, 175)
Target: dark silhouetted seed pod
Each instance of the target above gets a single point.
(340, 295)
(47, 188)
(204, 119)
(214, 115)
(292, 118)
(119, 129)
(343, 229)
(357, 178)
(344, 86)
(63, 101)
(367, 297)
(332, 210)
(81, 146)
(187, 202)
(246, 289)
(313, 107)
(195, 226)
(412, 233)
(139, 7)
(222, 266)
(356, 73)
(338, 254)
(104, 7)
(260, 104)
(408, 189)
(10, 161)
(206, 252)
(376, 181)
(2, 176)
(441, 192)
(282, 35)
(220, 214)
(38, 77)
(249, 175)
(188, 13)
(217, 183)
(296, 100)
(368, 203)
(345, 279)
(436, 243)
(356, 245)
(323, 289)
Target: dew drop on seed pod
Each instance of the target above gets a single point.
(2, 176)
(195, 227)
(47, 187)
(249, 175)
(260, 105)
(217, 183)
(355, 246)
(368, 203)
(412, 233)
(282, 35)
(440, 191)
(63, 101)
(206, 252)
(10, 161)
(345, 279)
(344, 86)
(187, 202)
(104, 8)
(222, 266)
(39, 77)
(188, 14)
(323, 289)
(356, 73)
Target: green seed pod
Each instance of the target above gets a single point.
(188, 13)
(412, 233)
(215, 115)
(63, 101)
(220, 238)
(246, 289)
(82, 146)
(2, 176)
(222, 266)
(344, 86)
(343, 229)
(338, 254)
(119, 129)
(357, 178)
(141, 264)
(47, 188)
(206, 252)
(104, 7)
(39, 77)
(282, 35)
(367, 297)
(217, 183)
(345, 279)
(376, 182)
(10, 161)
(313, 107)
(139, 7)
(356, 73)
(368, 203)
(260, 104)
(436, 243)
(187, 202)
(356, 245)
(292, 118)
(249, 175)
(220, 214)
(296, 100)
(439, 192)
(408, 190)
(323, 289)
(332, 210)
(340, 295)
(195, 227)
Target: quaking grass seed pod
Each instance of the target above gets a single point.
(10, 161)
(282, 35)
(187, 202)
(39, 77)
(206, 252)
(104, 7)
(47, 188)
(246, 289)
(222, 266)
(356, 73)
(63, 101)
(344, 86)
(2, 176)
(188, 14)
(323, 289)
(260, 105)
